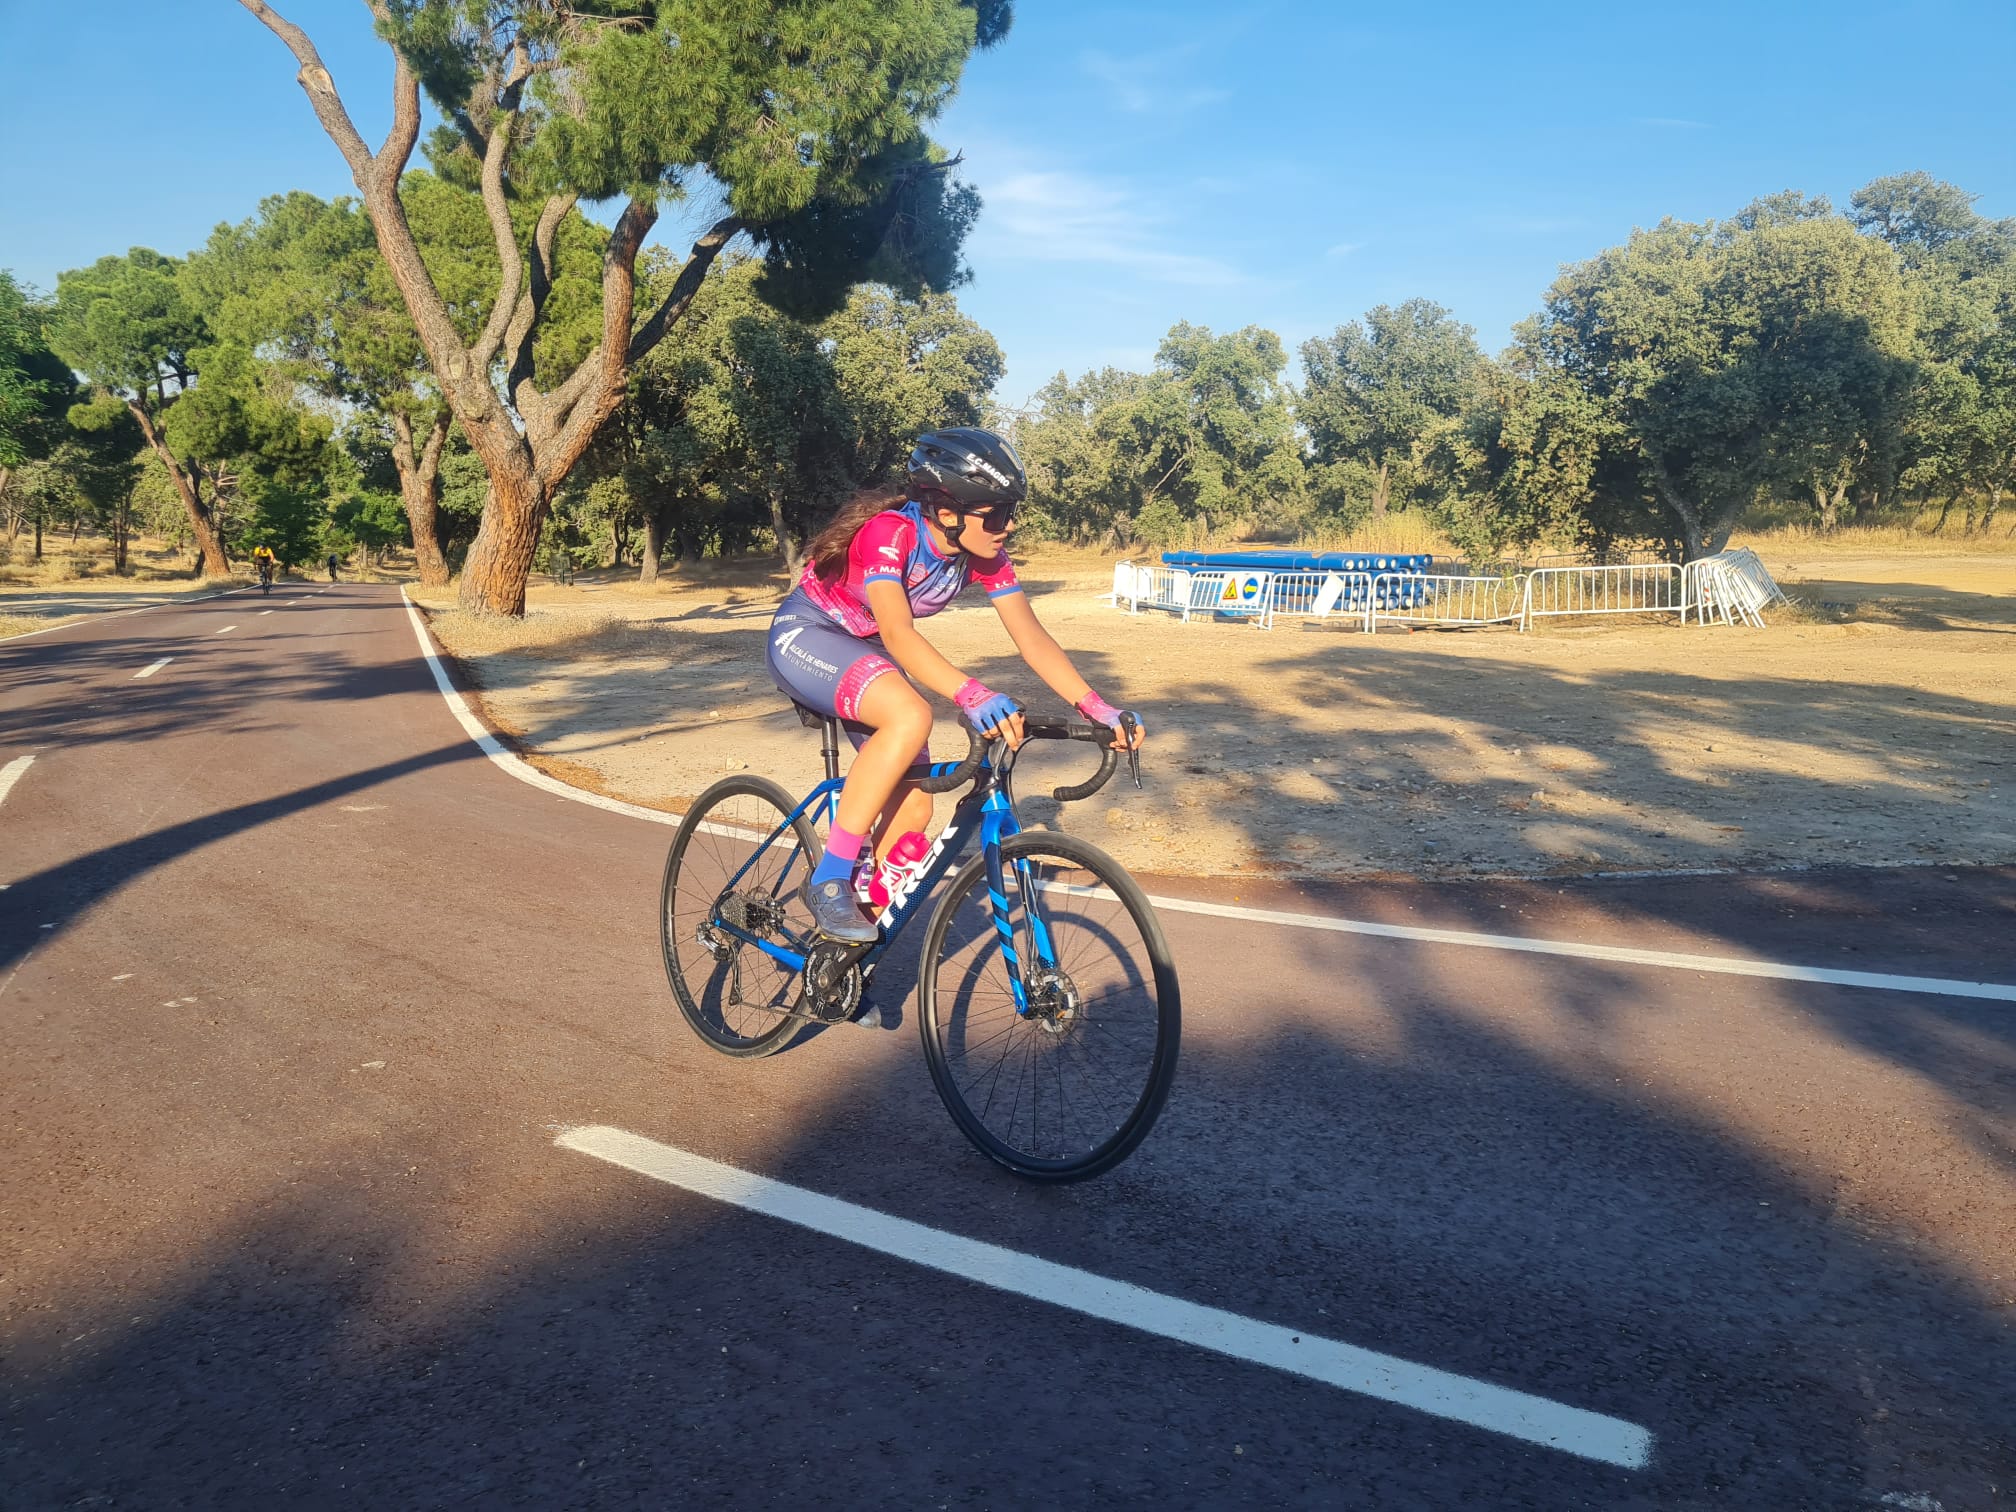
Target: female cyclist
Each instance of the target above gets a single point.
(881, 565)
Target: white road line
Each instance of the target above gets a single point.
(1671, 959)
(1383, 1377)
(150, 671)
(11, 774)
(265, 611)
(225, 631)
(85, 617)
(1668, 959)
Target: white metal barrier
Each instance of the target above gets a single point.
(1733, 586)
(1432, 599)
(1657, 588)
(1316, 595)
(1227, 591)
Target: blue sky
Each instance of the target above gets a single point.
(1287, 165)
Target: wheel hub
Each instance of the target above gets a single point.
(1054, 1003)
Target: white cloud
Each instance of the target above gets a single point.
(1144, 82)
(1073, 218)
(1342, 249)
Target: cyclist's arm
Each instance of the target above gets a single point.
(1045, 657)
(906, 644)
(1040, 650)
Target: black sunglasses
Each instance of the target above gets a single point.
(995, 516)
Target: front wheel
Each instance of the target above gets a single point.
(1068, 1088)
(720, 891)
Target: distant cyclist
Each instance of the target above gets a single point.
(332, 566)
(265, 564)
(878, 567)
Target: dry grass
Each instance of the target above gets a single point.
(88, 565)
(21, 624)
(1874, 540)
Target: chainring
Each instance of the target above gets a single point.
(832, 981)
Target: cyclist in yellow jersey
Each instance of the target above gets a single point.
(265, 563)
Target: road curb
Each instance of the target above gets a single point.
(496, 744)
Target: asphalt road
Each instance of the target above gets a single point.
(297, 990)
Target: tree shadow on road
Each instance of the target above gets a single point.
(443, 1308)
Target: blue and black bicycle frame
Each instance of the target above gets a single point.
(987, 812)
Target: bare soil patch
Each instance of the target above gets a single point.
(1873, 724)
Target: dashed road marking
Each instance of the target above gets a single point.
(225, 631)
(265, 611)
(11, 774)
(1365, 1372)
(151, 670)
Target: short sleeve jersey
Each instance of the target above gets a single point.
(895, 547)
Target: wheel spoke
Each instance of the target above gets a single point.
(1074, 1085)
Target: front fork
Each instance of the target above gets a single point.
(998, 823)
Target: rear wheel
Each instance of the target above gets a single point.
(1067, 1090)
(734, 995)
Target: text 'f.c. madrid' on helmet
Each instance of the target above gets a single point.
(974, 466)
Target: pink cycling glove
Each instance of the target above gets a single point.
(1096, 709)
(986, 707)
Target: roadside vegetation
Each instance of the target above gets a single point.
(460, 366)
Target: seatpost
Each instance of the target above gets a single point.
(829, 747)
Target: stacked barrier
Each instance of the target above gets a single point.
(1734, 586)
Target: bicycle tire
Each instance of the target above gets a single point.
(713, 834)
(960, 1027)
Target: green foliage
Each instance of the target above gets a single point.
(1204, 441)
(1377, 398)
(1915, 213)
(124, 324)
(1726, 363)
(806, 116)
(745, 420)
(35, 384)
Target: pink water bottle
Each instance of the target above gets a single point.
(905, 860)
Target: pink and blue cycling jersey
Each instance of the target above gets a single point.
(895, 547)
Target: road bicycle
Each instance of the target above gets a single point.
(1046, 996)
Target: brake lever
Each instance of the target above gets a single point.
(1131, 728)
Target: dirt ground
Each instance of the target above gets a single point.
(1871, 724)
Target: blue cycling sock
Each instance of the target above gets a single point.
(843, 849)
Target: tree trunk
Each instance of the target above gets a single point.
(209, 548)
(1944, 510)
(1379, 492)
(787, 543)
(500, 560)
(38, 535)
(1827, 504)
(420, 491)
(654, 543)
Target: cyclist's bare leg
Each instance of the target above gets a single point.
(901, 721)
(909, 809)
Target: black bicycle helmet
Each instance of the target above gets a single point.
(976, 467)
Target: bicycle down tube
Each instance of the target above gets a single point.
(987, 811)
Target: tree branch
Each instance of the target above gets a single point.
(499, 210)
(518, 338)
(392, 157)
(321, 91)
(705, 250)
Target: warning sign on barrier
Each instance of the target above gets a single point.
(1242, 590)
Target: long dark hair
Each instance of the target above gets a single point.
(828, 550)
